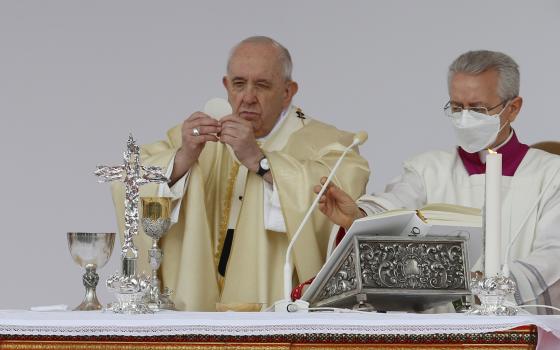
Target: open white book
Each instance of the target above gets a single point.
(434, 220)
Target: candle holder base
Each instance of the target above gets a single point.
(129, 303)
(496, 295)
(130, 292)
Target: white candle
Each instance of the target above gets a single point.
(493, 214)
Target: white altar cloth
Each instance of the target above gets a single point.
(21, 322)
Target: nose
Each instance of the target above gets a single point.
(249, 95)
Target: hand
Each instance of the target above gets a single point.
(337, 205)
(238, 133)
(192, 145)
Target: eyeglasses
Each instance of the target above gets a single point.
(451, 108)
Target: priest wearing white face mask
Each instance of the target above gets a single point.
(484, 101)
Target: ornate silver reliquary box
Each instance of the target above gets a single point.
(392, 274)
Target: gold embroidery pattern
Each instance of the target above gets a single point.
(94, 345)
(524, 337)
(224, 219)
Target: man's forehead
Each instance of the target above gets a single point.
(474, 88)
(254, 61)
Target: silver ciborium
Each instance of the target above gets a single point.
(91, 251)
(155, 222)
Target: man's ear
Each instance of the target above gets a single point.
(291, 90)
(225, 82)
(513, 108)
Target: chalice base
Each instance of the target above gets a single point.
(90, 279)
(89, 305)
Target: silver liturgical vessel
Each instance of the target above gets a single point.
(155, 222)
(91, 251)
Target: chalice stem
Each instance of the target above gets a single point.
(155, 262)
(90, 279)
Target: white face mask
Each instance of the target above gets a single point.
(476, 131)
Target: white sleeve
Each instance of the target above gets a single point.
(273, 218)
(176, 191)
(537, 275)
(406, 191)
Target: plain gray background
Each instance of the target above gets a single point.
(77, 76)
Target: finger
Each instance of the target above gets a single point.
(235, 125)
(234, 119)
(323, 180)
(317, 188)
(232, 132)
(227, 139)
(205, 130)
(239, 131)
(230, 117)
(333, 192)
(204, 138)
(197, 115)
(203, 120)
(341, 196)
(232, 126)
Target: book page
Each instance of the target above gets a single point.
(382, 225)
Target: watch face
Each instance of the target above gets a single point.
(264, 164)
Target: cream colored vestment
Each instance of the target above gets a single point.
(300, 152)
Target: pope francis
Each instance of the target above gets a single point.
(241, 186)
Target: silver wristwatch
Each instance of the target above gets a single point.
(264, 167)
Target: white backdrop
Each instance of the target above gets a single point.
(77, 76)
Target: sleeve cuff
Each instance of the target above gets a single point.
(273, 217)
(175, 192)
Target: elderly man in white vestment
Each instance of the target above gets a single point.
(241, 186)
(484, 101)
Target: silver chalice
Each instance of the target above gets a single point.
(91, 251)
(156, 220)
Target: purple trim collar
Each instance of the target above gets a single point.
(512, 152)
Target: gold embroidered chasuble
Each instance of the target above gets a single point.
(300, 152)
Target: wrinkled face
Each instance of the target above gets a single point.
(481, 90)
(256, 87)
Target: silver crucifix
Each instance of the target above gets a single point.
(129, 285)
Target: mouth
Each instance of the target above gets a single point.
(249, 115)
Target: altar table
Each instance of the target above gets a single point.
(20, 329)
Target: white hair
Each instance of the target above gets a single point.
(476, 62)
(283, 53)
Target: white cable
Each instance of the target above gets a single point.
(505, 268)
(543, 306)
(339, 310)
(359, 139)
